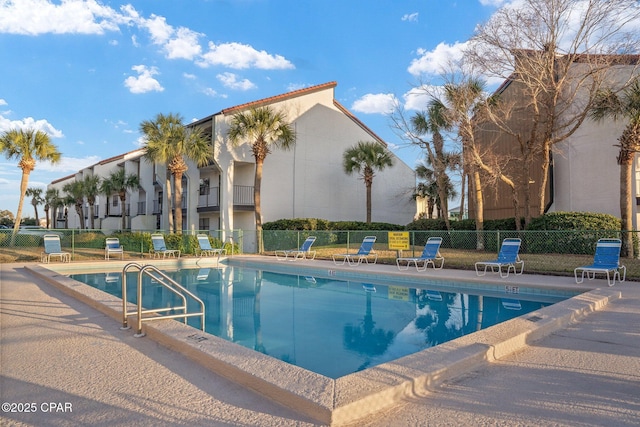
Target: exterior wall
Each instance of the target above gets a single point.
(505, 148)
(585, 174)
(309, 180)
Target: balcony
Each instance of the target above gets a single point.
(209, 198)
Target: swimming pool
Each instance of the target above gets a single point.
(330, 326)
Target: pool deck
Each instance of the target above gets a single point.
(72, 365)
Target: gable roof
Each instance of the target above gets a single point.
(358, 122)
(278, 98)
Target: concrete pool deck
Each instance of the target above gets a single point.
(56, 349)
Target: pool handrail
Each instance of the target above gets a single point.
(173, 286)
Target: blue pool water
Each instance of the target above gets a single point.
(328, 326)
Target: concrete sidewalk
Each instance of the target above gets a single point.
(69, 365)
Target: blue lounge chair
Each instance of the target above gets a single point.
(605, 261)
(206, 249)
(160, 248)
(304, 252)
(112, 246)
(511, 304)
(364, 253)
(508, 257)
(52, 248)
(430, 254)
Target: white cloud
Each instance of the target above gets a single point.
(411, 17)
(375, 103)
(435, 61)
(189, 76)
(296, 86)
(212, 93)
(416, 99)
(158, 28)
(231, 81)
(3, 102)
(68, 164)
(241, 56)
(30, 123)
(144, 82)
(35, 17)
(494, 3)
(184, 45)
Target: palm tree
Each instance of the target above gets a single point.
(623, 106)
(365, 158)
(434, 121)
(91, 185)
(36, 199)
(263, 128)
(168, 141)
(430, 188)
(52, 201)
(119, 182)
(29, 146)
(75, 196)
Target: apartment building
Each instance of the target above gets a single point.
(305, 181)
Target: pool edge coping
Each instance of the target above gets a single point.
(349, 398)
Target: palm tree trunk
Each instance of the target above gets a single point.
(35, 208)
(368, 202)
(92, 222)
(479, 210)
(257, 183)
(169, 202)
(177, 181)
(24, 182)
(80, 215)
(626, 208)
(123, 220)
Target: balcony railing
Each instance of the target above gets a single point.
(142, 208)
(157, 207)
(209, 197)
(243, 195)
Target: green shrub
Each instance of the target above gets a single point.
(570, 232)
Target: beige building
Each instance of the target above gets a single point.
(583, 175)
(307, 181)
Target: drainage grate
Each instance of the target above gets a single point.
(534, 318)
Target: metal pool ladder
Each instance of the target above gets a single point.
(167, 282)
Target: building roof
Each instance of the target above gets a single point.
(278, 98)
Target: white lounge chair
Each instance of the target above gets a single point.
(52, 248)
(304, 252)
(364, 253)
(112, 246)
(430, 255)
(606, 260)
(206, 249)
(160, 248)
(508, 257)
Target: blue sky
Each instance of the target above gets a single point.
(88, 72)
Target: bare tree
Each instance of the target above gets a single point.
(557, 54)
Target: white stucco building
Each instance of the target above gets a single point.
(307, 181)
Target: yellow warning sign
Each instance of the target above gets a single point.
(398, 293)
(399, 240)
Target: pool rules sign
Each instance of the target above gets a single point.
(399, 240)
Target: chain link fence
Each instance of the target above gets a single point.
(544, 252)
(27, 244)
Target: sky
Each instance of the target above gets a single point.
(88, 72)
